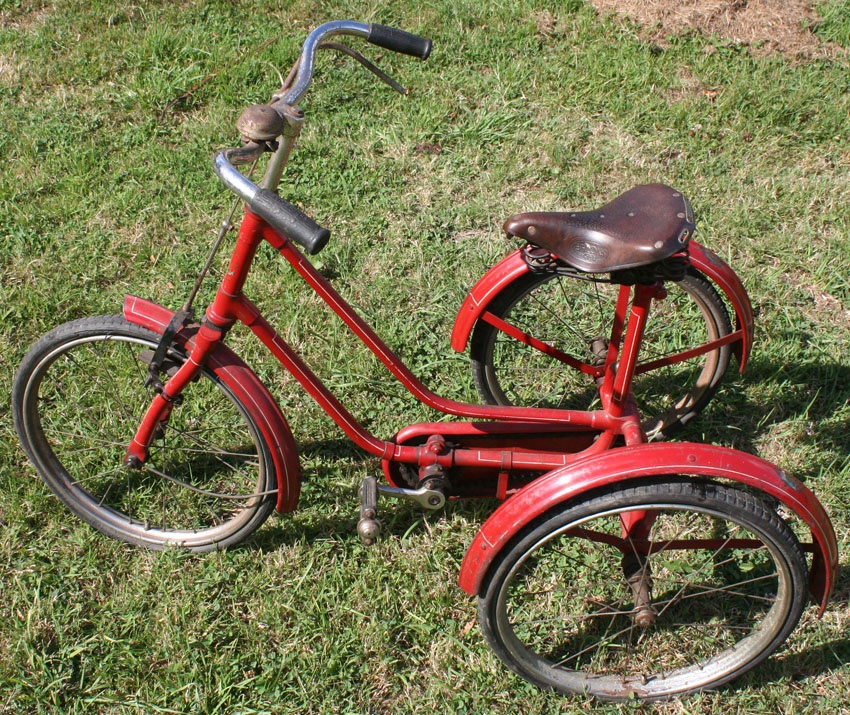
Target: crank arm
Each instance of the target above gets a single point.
(426, 498)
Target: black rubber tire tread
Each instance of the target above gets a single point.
(658, 423)
(34, 375)
(738, 506)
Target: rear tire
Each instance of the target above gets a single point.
(725, 576)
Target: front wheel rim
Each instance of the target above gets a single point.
(93, 506)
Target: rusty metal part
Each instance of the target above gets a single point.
(637, 573)
(260, 123)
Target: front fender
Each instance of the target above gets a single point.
(247, 387)
(651, 460)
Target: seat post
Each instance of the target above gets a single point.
(622, 390)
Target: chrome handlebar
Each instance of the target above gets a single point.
(262, 200)
(308, 55)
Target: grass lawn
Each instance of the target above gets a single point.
(111, 114)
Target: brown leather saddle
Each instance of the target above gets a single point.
(644, 225)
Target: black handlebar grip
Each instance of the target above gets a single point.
(391, 38)
(290, 221)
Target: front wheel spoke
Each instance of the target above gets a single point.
(613, 618)
(606, 641)
(95, 443)
(118, 469)
(246, 457)
(708, 563)
(716, 628)
(118, 446)
(204, 492)
(102, 500)
(605, 609)
(108, 370)
(207, 448)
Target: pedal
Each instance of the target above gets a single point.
(369, 528)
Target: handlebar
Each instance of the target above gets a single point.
(280, 214)
(389, 38)
(266, 204)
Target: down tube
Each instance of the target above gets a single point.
(248, 314)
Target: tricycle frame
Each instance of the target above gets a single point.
(618, 419)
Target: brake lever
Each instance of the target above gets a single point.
(379, 73)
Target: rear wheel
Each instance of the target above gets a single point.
(570, 314)
(713, 587)
(78, 399)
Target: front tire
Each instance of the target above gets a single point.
(77, 400)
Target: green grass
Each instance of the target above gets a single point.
(106, 189)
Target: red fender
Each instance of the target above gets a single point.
(650, 460)
(513, 266)
(718, 270)
(488, 287)
(234, 373)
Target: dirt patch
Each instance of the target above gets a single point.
(8, 71)
(763, 26)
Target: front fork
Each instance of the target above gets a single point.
(155, 420)
(219, 318)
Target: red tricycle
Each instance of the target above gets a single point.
(618, 565)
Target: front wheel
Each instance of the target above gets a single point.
(707, 585)
(78, 398)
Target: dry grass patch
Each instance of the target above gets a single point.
(8, 70)
(763, 26)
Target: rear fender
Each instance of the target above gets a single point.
(234, 373)
(727, 280)
(488, 287)
(630, 464)
(513, 266)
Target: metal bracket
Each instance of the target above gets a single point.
(178, 320)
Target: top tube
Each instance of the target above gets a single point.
(308, 54)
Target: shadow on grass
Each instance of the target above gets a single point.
(808, 398)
